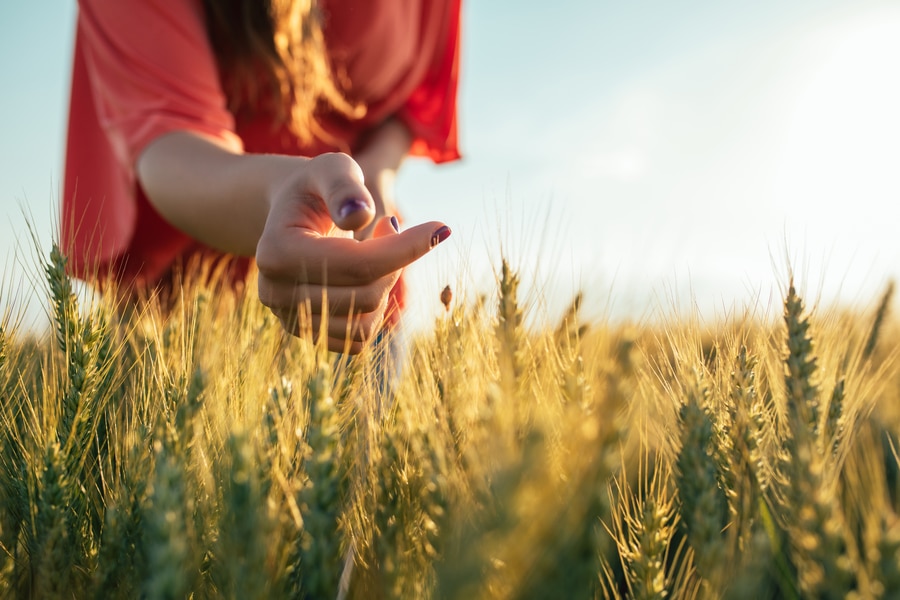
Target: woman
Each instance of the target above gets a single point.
(258, 128)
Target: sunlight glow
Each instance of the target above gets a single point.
(842, 149)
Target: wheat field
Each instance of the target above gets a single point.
(201, 453)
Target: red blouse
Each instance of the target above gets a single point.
(143, 68)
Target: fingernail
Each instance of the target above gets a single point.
(440, 235)
(351, 206)
(395, 224)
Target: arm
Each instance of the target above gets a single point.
(210, 191)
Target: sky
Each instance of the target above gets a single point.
(663, 157)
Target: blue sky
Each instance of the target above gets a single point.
(653, 153)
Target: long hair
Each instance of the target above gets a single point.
(272, 56)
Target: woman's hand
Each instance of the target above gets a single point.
(312, 270)
(298, 215)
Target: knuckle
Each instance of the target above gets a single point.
(265, 292)
(331, 163)
(267, 262)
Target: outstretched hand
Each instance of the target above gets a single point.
(310, 266)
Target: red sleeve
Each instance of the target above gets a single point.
(152, 71)
(141, 68)
(431, 112)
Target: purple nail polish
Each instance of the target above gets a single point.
(351, 206)
(440, 235)
(395, 223)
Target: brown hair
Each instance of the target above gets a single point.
(272, 55)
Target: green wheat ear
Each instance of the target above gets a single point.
(704, 507)
(410, 505)
(320, 547)
(165, 519)
(812, 516)
(878, 321)
(243, 527)
(509, 327)
(747, 424)
(121, 562)
(644, 523)
(86, 343)
(835, 426)
(800, 368)
(56, 552)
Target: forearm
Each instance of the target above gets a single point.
(212, 193)
(386, 146)
(380, 158)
